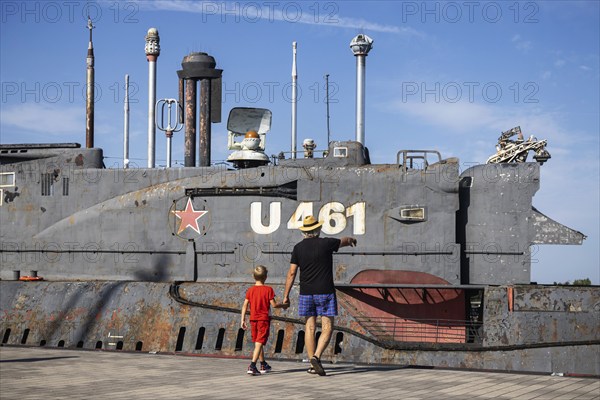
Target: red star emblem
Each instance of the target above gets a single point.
(189, 217)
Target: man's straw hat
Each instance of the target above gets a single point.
(310, 224)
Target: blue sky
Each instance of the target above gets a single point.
(442, 75)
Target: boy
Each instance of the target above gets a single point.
(260, 297)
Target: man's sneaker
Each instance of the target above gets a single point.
(316, 364)
(252, 370)
(264, 368)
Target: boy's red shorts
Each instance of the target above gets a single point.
(260, 331)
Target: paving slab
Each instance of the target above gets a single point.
(51, 373)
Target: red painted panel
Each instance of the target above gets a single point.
(407, 314)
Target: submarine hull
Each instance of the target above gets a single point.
(203, 319)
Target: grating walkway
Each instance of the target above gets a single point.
(40, 373)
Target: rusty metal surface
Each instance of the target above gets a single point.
(548, 231)
(205, 124)
(557, 299)
(190, 122)
(541, 315)
(143, 316)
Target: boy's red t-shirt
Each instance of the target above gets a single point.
(260, 302)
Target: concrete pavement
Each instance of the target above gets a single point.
(51, 373)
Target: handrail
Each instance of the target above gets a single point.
(408, 157)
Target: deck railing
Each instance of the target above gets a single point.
(393, 329)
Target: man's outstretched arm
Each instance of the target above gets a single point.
(347, 241)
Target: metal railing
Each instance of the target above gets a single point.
(394, 329)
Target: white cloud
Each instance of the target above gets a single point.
(546, 75)
(464, 117)
(459, 116)
(559, 63)
(54, 120)
(520, 44)
(302, 13)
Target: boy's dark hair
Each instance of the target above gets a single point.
(260, 273)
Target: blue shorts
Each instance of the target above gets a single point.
(312, 305)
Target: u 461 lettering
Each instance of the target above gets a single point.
(335, 217)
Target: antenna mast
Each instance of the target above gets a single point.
(360, 45)
(89, 101)
(126, 125)
(294, 100)
(152, 50)
(327, 102)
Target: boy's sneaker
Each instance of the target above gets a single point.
(264, 368)
(252, 370)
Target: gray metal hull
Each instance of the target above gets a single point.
(536, 336)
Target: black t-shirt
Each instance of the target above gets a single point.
(314, 257)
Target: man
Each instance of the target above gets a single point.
(314, 256)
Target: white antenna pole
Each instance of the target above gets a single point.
(360, 45)
(152, 50)
(126, 125)
(294, 100)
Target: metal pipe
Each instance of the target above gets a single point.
(169, 135)
(89, 101)
(126, 125)
(190, 123)
(327, 102)
(198, 66)
(360, 45)
(151, 112)
(294, 99)
(181, 100)
(152, 52)
(360, 98)
(205, 125)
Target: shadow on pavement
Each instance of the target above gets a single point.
(34, 359)
(340, 370)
